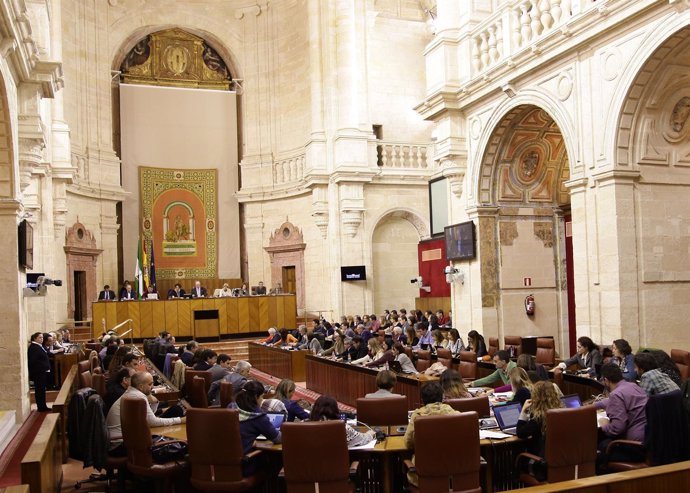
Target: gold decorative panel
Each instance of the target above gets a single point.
(175, 58)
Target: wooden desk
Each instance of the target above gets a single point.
(177, 316)
(278, 362)
(585, 387)
(169, 392)
(347, 383)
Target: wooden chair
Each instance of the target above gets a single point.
(576, 427)
(189, 376)
(437, 471)
(83, 366)
(325, 445)
(514, 341)
(468, 365)
(137, 438)
(682, 360)
(546, 352)
(385, 411)
(98, 383)
(444, 356)
(423, 360)
(211, 470)
(85, 379)
(198, 396)
(226, 396)
(493, 346)
(479, 405)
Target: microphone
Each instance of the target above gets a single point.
(380, 434)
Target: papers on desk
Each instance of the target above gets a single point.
(366, 446)
(476, 390)
(493, 434)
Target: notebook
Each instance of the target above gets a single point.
(507, 417)
(571, 401)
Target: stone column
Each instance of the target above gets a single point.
(316, 163)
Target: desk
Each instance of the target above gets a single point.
(177, 316)
(164, 390)
(585, 387)
(278, 362)
(347, 382)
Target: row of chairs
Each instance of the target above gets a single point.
(546, 348)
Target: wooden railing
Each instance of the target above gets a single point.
(60, 406)
(42, 464)
(673, 477)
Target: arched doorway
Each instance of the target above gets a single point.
(522, 218)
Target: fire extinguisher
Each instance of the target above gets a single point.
(529, 304)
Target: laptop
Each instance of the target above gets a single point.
(276, 419)
(507, 417)
(571, 401)
(395, 366)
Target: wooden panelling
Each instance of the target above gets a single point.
(278, 362)
(236, 315)
(355, 381)
(42, 464)
(433, 304)
(98, 312)
(172, 323)
(244, 322)
(61, 404)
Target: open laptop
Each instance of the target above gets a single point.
(571, 401)
(507, 417)
(276, 419)
(395, 366)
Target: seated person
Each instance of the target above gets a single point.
(237, 377)
(188, 354)
(375, 351)
(626, 415)
(253, 422)
(141, 384)
(302, 339)
(453, 386)
(272, 338)
(623, 357)
(385, 381)
(531, 424)
(439, 340)
(284, 392)
(500, 376)
(224, 292)
(476, 343)
(387, 355)
(587, 356)
(357, 350)
(455, 343)
(314, 345)
(207, 360)
(198, 291)
(221, 368)
(117, 386)
(326, 409)
(534, 370)
(176, 292)
(402, 358)
(286, 339)
(337, 349)
(151, 293)
(432, 400)
(260, 289)
(520, 384)
(652, 379)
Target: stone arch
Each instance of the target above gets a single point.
(499, 122)
(646, 70)
(8, 165)
(422, 226)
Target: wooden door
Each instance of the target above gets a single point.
(80, 295)
(289, 279)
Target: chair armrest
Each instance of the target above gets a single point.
(409, 465)
(616, 443)
(281, 473)
(252, 454)
(354, 469)
(527, 456)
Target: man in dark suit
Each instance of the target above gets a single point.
(39, 370)
(198, 291)
(107, 294)
(128, 293)
(261, 289)
(176, 292)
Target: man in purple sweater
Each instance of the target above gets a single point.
(626, 418)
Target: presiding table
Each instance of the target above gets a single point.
(198, 317)
(281, 363)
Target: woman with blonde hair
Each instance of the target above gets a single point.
(453, 386)
(520, 384)
(375, 352)
(532, 422)
(284, 392)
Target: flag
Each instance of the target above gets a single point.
(152, 269)
(145, 269)
(139, 274)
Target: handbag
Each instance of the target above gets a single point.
(168, 451)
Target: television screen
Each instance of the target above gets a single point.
(26, 245)
(353, 273)
(32, 279)
(460, 241)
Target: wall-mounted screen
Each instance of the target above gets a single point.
(438, 206)
(460, 241)
(353, 273)
(26, 245)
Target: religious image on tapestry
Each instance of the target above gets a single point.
(179, 217)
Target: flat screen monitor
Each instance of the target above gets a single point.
(26, 245)
(353, 273)
(32, 279)
(460, 241)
